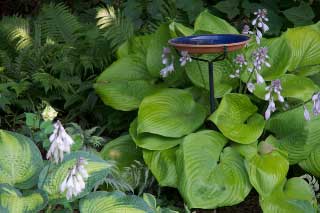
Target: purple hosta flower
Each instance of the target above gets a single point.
(306, 113)
(165, 55)
(260, 57)
(167, 70)
(74, 183)
(239, 61)
(60, 143)
(259, 78)
(276, 88)
(316, 103)
(259, 23)
(251, 87)
(271, 108)
(246, 30)
(185, 57)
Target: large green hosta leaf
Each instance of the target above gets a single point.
(305, 46)
(312, 163)
(158, 42)
(52, 175)
(237, 119)
(294, 196)
(162, 165)
(152, 141)
(113, 202)
(177, 30)
(198, 74)
(291, 87)
(209, 177)
(267, 169)
(170, 113)
(14, 201)
(125, 83)
(295, 135)
(20, 160)
(208, 22)
(122, 150)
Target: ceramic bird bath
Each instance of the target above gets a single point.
(209, 44)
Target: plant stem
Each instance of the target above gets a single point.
(250, 76)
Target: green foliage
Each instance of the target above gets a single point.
(237, 119)
(20, 162)
(12, 200)
(52, 175)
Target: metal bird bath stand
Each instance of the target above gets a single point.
(209, 44)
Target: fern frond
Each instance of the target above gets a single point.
(105, 17)
(17, 32)
(58, 23)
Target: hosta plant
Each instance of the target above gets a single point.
(261, 127)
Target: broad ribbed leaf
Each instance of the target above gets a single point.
(14, 201)
(125, 83)
(291, 87)
(208, 22)
(295, 135)
(198, 74)
(312, 163)
(53, 175)
(115, 202)
(158, 42)
(209, 177)
(122, 150)
(170, 113)
(305, 46)
(20, 160)
(301, 15)
(237, 119)
(294, 196)
(267, 169)
(162, 165)
(152, 141)
(178, 30)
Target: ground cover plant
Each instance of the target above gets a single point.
(77, 138)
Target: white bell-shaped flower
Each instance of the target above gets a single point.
(60, 143)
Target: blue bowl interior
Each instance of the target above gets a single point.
(210, 39)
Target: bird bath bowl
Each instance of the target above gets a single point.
(215, 43)
(207, 44)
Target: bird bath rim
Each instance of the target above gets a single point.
(210, 43)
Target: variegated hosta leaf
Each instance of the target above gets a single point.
(198, 74)
(115, 202)
(162, 165)
(267, 169)
(305, 46)
(170, 113)
(312, 163)
(152, 141)
(53, 175)
(122, 150)
(210, 23)
(20, 160)
(210, 176)
(294, 196)
(291, 87)
(237, 119)
(295, 135)
(13, 201)
(125, 83)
